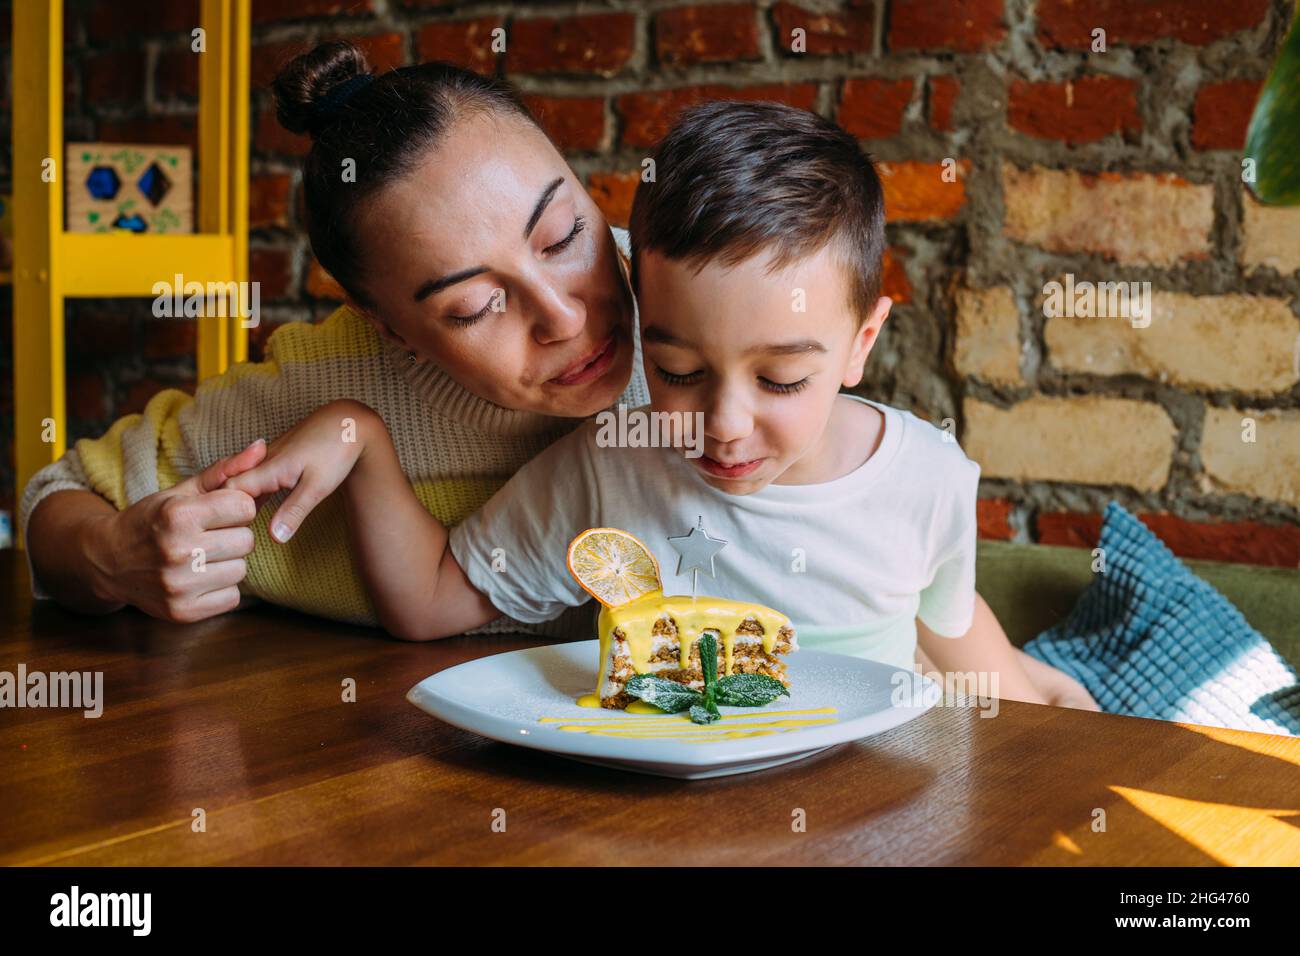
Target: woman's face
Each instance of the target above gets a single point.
(492, 261)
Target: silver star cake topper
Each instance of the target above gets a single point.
(695, 551)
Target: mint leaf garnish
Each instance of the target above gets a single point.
(749, 690)
(708, 645)
(701, 715)
(663, 693)
(734, 690)
(710, 699)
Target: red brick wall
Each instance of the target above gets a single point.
(1113, 165)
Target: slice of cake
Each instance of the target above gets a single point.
(660, 634)
(644, 631)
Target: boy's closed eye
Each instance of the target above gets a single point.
(695, 377)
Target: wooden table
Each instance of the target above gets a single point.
(242, 717)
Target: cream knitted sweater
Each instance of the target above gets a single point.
(456, 448)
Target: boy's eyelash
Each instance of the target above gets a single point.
(579, 224)
(784, 388)
(673, 379)
(780, 388)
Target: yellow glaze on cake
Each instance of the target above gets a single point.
(693, 616)
(636, 707)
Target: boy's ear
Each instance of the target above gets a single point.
(864, 340)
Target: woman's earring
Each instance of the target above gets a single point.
(410, 357)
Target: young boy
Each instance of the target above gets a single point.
(756, 263)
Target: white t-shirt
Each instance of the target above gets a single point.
(852, 562)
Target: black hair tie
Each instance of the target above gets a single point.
(334, 100)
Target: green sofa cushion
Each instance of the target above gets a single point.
(1030, 587)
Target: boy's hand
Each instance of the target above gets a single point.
(1060, 689)
(313, 458)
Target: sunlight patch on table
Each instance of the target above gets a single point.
(1232, 835)
(1268, 745)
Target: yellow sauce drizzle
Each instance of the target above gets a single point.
(664, 717)
(680, 726)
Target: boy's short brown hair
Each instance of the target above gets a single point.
(735, 179)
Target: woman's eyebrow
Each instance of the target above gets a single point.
(437, 285)
(543, 201)
(433, 286)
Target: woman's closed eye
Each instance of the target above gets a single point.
(462, 320)
(579, 224)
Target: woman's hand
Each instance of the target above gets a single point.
(312, 458)
(177, 554)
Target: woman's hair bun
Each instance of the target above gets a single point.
(303, 84)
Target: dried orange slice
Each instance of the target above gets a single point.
(613, 566)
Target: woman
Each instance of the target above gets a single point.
(488, 311)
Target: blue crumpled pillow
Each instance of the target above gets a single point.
(1149, 638)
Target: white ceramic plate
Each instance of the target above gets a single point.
(504, 696)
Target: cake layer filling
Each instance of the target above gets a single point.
(659, 635)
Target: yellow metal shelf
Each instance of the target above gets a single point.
(116, 264)
(51, 265)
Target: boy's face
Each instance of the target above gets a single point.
(762, 356)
